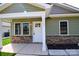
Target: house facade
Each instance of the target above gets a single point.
(42, 23)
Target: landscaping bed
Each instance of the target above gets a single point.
(7, 54)
(62, 46)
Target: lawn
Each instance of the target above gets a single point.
(6, 41)
(7, 54)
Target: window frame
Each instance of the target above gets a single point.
(67, 27)
(22, 29)
(29, 29)
(14, 29)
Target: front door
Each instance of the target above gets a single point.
(37, 32)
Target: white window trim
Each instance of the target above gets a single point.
(67, 27)
(14, 30)
(22, 29)
(29, 29)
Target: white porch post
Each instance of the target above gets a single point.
(43, 34)
(1, 34)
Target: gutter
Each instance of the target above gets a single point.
(64, 15)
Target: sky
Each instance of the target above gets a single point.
(74, 4)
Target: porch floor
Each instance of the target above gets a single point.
(24, 49)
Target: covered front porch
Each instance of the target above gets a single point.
(24, 15)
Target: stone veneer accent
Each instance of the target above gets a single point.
(62, 39)
(21, 39)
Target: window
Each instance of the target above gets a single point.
(63, 27)
(37, 25)
(22, 28)
(25, 28)
(17, 29)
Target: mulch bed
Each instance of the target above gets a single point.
(62, 46)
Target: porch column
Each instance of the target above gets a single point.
(43, 34)
(1, 34)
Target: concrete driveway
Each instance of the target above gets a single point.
(24, 49)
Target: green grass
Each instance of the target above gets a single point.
(7, 54)
(6, 41)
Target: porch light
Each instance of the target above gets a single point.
(25, 11)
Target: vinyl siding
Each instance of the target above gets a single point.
(52, 26)
(59, 10)
(20, 7)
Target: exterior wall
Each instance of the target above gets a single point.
(19, 7)
(59, 10)
(74, 28)
(52, 31)
(23, 38)
(52, 26)
(6, 28)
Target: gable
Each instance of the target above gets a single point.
(20, 7)
(30, 7)
(59, 10)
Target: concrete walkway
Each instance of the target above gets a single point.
(24, 49)
(36, 50)
(66, 52)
